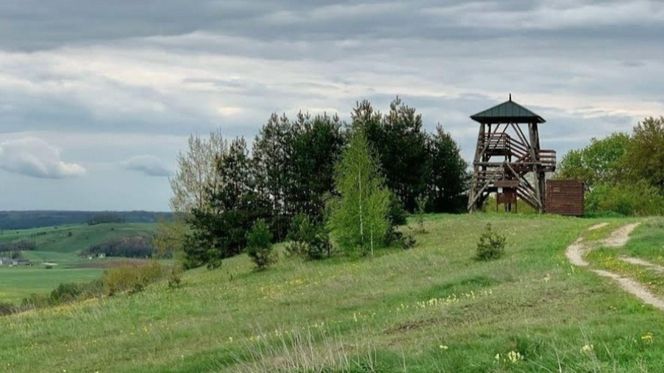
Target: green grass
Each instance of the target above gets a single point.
(73, 238)
(430, 308)
(18, 283)
(647, 242)
(60, 245)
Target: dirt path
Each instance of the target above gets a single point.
(598, 226)
(617, 238)
(643, 263)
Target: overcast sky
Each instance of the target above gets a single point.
(97, 96)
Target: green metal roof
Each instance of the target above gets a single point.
(507, 112)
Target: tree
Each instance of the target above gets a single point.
(272, 166)
(448, 177)
(316, 148)
(169, 237)
(219, 230)
(196, 174)
(259, 244)
(645, 154)
(600, 162)
(400, 145)
(359, 219)
(294, 163)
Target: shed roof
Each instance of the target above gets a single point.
(507, 112)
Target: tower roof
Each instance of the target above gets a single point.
(507, 112)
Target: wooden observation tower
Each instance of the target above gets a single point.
(508, 160)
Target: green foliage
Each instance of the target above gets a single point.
(308, 239)
(259, 245)
(599, 162)
(359, 219)
(169, 237)
(7, 308)
(638, 198)
(397, 214)
(175, 277)
(294, 165)
(645, 155)
(414, 162)
(219, 231)
(491, 245)
(447, 176)
(132, 278)
(400, 146)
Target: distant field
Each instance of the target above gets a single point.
(18, 283)
(74, 238)
(60, 245)
(430, 308)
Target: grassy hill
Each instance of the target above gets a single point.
(60, 245)
(431, 308)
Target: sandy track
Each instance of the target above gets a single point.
(617, 238)
(643, 263)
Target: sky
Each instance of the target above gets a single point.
(98, 97)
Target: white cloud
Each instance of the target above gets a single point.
(35, 157)
(147, 164)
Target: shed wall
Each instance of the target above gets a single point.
(564, 197)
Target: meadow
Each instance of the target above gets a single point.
(430, 308)
(61, 246)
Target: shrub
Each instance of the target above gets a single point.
(308, 239)
(132, 278)
(175, 277)
(6, 309)
(65, 293)
(407, 241)
(491, 245)
(259, 244)
(639, 198)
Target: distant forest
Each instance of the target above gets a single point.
(36, 219)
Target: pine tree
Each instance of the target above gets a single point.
(448, 174)
(219, 231)
(359, 219)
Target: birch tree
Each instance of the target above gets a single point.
(359, 219)
(196, 177)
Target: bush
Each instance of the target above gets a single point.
(407, 241)
(308, 239)
(132, 278)
(259, 244)
(6, 309)
(175, 277)
(639, 198)
(491, 245)
(65, 293)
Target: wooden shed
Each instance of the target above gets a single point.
(564, 197)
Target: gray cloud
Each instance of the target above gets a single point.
(105, 71)
(35, 157)
(147, 164)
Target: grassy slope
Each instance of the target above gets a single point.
(55, 244)
(429, 308)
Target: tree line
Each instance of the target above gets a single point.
(624, 173)
(316, 169)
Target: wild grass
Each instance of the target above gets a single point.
(431, 308)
